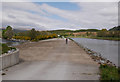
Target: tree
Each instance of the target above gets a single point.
(3, 34)
(102, 33)
(32, 34)
(87, 33)
(8, 33)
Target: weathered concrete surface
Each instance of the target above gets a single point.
(9, 59)
(53, 60)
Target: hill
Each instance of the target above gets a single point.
(115, 28)
(15, 30)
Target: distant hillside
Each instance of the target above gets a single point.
(60, 31)
(72, 31)
(87, 30)
(115, 28)
(15, 30)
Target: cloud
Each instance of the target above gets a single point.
(91, 15)
(18, 16)
(16, 0)
(60, 0)
(94, 0)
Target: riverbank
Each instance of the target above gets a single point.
(108, 70)
(101, 38)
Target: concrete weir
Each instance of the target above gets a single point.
(53, 59)
(9, 59)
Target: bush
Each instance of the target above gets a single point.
(109, 72)
(39, 37)
(42, 37)
(22, 37)
(5, 48)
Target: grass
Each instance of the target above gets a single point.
(4, 48)
(109, 73)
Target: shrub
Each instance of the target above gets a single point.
(42, 37)
(22, 37)
(109, 72)
(5, 48)
(39, 37)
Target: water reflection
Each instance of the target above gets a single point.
(10, 43)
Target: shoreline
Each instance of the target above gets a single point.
(108, 70)
(96, 56)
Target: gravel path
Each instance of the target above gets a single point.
(53, 60)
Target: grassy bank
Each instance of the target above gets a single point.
(102, 38)
(109, 72)
(4, 48)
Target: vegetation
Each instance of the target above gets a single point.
(32, 34)
(42, 37)
(115, 28)
(105, 33)
(7, 33)
(22, 37)
(109, 72)
(4, 48)
(87, 30)
(71, 32)
(112, 34)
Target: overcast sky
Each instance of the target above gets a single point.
(60, 15)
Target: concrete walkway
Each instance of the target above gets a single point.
(53, 60)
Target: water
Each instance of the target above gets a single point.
(10, 43)
(108, 49)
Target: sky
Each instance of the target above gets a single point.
(72, 15)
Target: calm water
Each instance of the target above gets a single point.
(10, 43)
(108, 49)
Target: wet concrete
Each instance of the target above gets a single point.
(53, 60)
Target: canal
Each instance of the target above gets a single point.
(107, 48)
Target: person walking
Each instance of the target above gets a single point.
(66, 40)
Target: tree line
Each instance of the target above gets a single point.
(114, 32)
(32, 34)
(35, 35)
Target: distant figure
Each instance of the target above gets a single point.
(66, 40)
